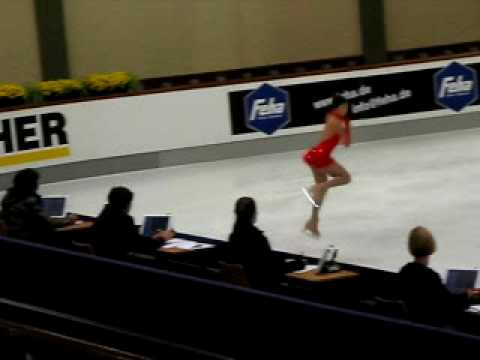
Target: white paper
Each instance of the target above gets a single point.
(474, 309)
(306, 269)
(186, 245)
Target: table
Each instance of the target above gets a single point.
(175, 250)
(83, 225)
(313, 276)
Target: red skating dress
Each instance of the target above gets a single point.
(321, 155)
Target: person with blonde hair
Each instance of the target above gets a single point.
(427, 299)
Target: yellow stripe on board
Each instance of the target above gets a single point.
(39, 155)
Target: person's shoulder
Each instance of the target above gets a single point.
(404, 268)
(109, 216)
(29, 203)
(33, 200)
(124, 219)
(260, 235)
(411, 267)
(127, 216)
(418, 271)
(257, 231)
(8, 195)
(245, 233)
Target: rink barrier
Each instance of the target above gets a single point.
(153, 130)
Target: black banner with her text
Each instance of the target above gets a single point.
(371, 96)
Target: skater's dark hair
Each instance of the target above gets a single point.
(338, 100)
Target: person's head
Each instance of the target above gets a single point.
(421, 243)
(26, 182)
(340, 105)
(246, 210)
(120, 198)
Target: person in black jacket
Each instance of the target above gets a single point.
(426, 297)
(249, 247)
(115, 233)
(22, 210)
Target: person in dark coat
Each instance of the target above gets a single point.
(22, 210)
(249, 247)
(427, 299)
(115, 233)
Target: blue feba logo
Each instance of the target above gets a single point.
(267, 109)
(456, 86)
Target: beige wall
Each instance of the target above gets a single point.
(423, 23)
(19, 59)
(163, 37)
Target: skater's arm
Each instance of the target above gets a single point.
(346, 136)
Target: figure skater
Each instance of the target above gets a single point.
(327, 173)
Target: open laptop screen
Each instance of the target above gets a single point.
(54, 206)
(152, 223)
(459, 280)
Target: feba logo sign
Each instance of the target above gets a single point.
(33, 138)
(456, 86)
(267, 109)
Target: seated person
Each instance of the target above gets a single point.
(22, 212)
(425, 296)
(249, 247)
(115, 233)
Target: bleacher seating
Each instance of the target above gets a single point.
(29, 332)
(208, 315)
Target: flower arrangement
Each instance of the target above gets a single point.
(12, 94)
(67, 89)
(99, 84)
(59, 89)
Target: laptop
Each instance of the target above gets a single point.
(152, 223)
(459, 280)
(54, 206)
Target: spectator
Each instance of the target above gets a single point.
(426, 297)
(249, 247)
(22, 211)
(115, 233)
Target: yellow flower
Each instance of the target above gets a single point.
(12, 91)
(59, 87)
(108, 82)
